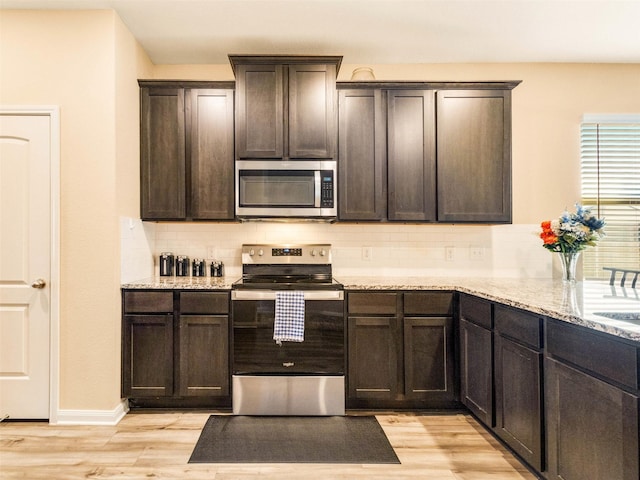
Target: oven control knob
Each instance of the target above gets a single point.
(313, 252)
(323, 252)
(252, 252)
(260, 252)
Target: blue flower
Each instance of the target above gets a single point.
(572, 232)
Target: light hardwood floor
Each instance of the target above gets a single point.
(158, 446)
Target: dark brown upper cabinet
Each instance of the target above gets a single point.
(362, 150)
(285, 106)
(387, 155)
(186, 150)
(474, 155)
(411, 155)
(425, 151)
(162, 153)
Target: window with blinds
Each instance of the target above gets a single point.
(610, 171)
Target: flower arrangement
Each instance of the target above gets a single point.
(572, 232)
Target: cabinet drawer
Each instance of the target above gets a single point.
(594, 352)
(476, 310)
(204, 302)
(372, 303)
(428, 303)
(148, 302)
(521, 326)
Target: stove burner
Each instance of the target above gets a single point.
(286, 279)
(266, 267)
(287, 283)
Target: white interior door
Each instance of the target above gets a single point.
(25, 265)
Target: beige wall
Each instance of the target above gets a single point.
(87, 63)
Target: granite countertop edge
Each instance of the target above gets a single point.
(181, 283)
(575, 303)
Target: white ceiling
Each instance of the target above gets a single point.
(377, 31)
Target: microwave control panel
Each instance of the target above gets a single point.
(326, 189)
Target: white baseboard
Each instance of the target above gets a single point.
(93, 417)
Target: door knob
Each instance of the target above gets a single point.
(39, 283)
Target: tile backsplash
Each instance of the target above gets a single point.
(137, 240)
(358, 249)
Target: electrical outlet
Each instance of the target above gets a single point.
(367, 253)
(211, 253)
(449, 253)
(476, 253)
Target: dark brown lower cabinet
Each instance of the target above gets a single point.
(591, 402)
(147, 355)
(429, 359)
(204, 355)
(518, 397)
(592, 427)
(373, 358)
(518, 381)
(476, 370)
(397, 360)
(178, 357)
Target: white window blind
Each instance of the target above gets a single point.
(610, 171)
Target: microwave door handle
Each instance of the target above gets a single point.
(316, 179)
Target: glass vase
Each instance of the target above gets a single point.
(569, 261)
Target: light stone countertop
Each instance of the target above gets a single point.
(182, 283)
(578, 303)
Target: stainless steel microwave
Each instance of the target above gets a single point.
(276, 189)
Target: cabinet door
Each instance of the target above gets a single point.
(411, 156)
(429, 358)
(362, 155)
(259, 111)
(147, 356)
(210, 153)
(373, 357)
(592, 427)
(474, 156)
(204, 355)
(476, 370)
(518, 394)
(312, 111)
(162, 154)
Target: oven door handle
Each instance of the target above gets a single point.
(271, 294)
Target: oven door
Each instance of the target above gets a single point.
(256, 353)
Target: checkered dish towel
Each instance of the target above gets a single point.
(289, 322)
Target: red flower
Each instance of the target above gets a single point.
(547, 235)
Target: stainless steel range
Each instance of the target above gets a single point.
(284, 286)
